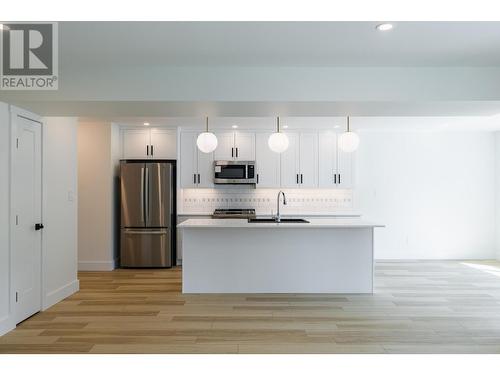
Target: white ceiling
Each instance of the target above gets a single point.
(111, 44)
(185, 69)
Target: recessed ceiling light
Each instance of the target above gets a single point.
(146, 124)
(285, 126)
(385, 26)
(337, 126)
(235, 126)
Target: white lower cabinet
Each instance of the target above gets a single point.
(299, 163)
(196, 167)
(267, 163)
(335, 166)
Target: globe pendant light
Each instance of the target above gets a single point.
(348, 141)
(206, 141)
(278, 142)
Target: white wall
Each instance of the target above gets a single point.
(4, 216)
(115, 209)
(96, 240)
(59, 209)
(497, 161)
(433, 190)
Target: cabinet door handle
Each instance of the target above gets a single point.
(297, 178)
(335, 178)
(301, 178)
(194, 178)
(257, 178)
(339, 178)
(147, 150)
(236, 151)
(152, 153)
(232, 152)
(198, 178)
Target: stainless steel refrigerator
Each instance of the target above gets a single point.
(147, 237)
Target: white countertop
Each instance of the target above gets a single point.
(313, 223)
(298, 214)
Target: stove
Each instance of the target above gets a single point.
(234, 213)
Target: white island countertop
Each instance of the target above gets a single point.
(313, 223)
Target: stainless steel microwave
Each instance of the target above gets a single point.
(234, 172)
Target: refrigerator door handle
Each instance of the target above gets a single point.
(171, 196)
(146, 195)
(142, 197)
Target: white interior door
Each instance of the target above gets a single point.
(245, 146)
(163, 143)
(136, 143)
(267, 163)
(327, 160)
(309, 160)
(27, 211)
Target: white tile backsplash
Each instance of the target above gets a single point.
(313, 201)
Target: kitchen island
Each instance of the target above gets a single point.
(235, 256)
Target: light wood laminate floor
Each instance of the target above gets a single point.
(418, 307)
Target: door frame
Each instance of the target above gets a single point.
(14, 113)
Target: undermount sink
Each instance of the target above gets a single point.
(271, 220)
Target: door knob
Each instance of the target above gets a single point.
(38, 226)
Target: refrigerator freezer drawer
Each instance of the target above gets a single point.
(146, 248)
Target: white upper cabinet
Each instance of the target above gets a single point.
(328, 160)
(312, 160)
(299, 163)
(149, 144)
(335, 166)
(345, 168)
(267, 163)
(225, 146)
(290, 162)
(244, 144)
(135, 143)
(163, 144)
(205, 169)
(235, 146)
(308, 160)
(196, 167)
(188, 160)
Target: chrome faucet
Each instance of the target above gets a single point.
(278, 216)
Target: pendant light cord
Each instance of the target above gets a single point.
(207, 124)
(348, 127)
(278, 124)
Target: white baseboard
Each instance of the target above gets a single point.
(59, 294)
(6, 325)
(99, 265)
